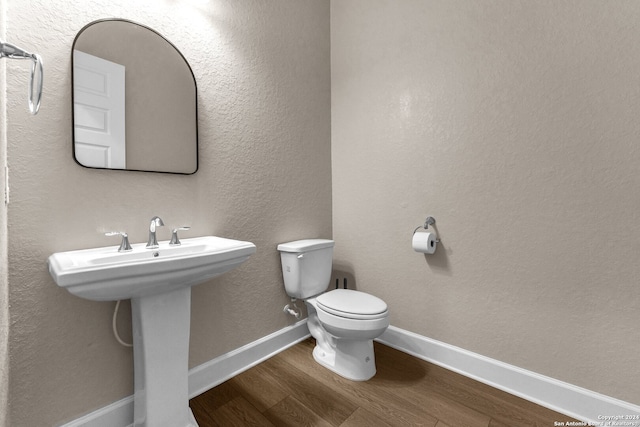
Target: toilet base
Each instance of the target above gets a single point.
(353, 360)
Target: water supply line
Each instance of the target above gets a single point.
(115, 327)
(292, 309)
(7, 50)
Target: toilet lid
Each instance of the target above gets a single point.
(349, 303)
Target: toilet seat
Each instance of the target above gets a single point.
(349, 326)
(352, 304)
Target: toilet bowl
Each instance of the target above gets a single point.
(344, 341)
(344, 322)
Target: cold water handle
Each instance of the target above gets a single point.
(175, 241)
(124, 243)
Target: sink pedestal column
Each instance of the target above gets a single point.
(161, 359)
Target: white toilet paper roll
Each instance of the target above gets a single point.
(424, 242)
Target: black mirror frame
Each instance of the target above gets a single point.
(195, 85)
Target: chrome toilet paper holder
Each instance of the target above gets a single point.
(427, 222)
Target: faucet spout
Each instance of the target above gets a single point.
(152, 243)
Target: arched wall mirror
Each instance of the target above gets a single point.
(134, 100)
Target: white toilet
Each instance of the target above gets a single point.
(344, 322)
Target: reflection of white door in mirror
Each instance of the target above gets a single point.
(99, 112)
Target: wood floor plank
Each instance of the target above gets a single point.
(259, 388)
(405, 374)
(384, 403)
(290, 412)
(494, 423)
(363, 418)
(240, 413)
(204, 405)
(497, 404)
(292, 389)
(202, 414)
(334, 407)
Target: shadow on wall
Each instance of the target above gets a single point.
(439, 260)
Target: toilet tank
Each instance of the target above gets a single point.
(306, 266)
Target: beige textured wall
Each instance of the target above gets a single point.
(4, 284)
(264, 108)
(516, 125)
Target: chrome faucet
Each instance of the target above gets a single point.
(156, 221)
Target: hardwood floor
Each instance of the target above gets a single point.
(291, 389)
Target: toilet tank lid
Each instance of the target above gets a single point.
(305, 245)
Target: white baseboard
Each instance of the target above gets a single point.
(216, 371)
(576, 402)
(205, 376)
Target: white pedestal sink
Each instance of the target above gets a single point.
(158, 282)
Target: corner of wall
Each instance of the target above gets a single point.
(4, 284)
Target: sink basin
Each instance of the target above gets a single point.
(104, 274)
